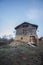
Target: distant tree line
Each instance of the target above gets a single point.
(5, 41)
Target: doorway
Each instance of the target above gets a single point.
(32, 39)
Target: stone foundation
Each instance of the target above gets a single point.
(27, 39)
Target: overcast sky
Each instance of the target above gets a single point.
(14, 12)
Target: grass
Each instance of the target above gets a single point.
(19, 55)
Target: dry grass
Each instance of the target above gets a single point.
(19, 55)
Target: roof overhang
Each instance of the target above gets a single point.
(26, 23)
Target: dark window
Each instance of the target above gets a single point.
(21, 38)
(25, 25)
(24, 32)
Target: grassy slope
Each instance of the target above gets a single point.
(19, 55)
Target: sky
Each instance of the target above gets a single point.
(15, 12)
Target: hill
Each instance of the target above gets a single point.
(20, 55)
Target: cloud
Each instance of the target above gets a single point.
(34, 14)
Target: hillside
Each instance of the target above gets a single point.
(20, 55)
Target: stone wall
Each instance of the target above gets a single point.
(26, 34)
(27, 38)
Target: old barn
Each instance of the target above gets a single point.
(26, 32)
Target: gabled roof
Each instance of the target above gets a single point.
(28, 24)
(40, 38)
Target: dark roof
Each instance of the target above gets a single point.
(40, 38)
(26, 23)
